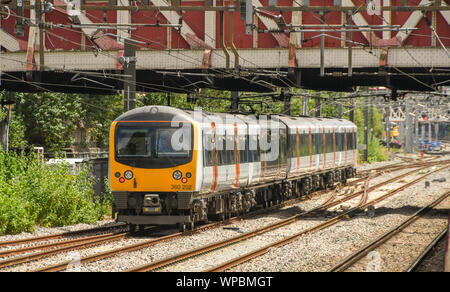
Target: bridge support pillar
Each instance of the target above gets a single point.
(318, 104)
(409, 143)
(234, 101)
(305, 102)
(352, 111)
(366, 130)
(129, 86)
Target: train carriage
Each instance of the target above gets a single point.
(173, 166)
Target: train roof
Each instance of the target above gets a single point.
(167, 113)
(155, 113)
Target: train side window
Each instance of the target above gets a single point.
(329, 143)
(316, 143)
(208, 151)
(252, 148)
(243, 149)
(313, 144)
(292, 145)
(304, 145)
(256, 151)
(350, 141)
(230, 152)
(320, 143)
(283, 146)
(353, 140)
(220, 150)
(338, 142)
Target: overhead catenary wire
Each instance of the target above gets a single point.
(44, 89)
(113, 56)
(90, 73)
(195, 61)
(219, 70)
(374, 54)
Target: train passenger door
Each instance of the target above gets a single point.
(210, 167)
(253, 158)
(283, 161)
(241, 155)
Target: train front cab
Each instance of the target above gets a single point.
(152, 183)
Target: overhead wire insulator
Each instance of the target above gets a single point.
(180, 22)
(249, 11)
(19, 27)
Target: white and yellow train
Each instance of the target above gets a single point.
(174, 166)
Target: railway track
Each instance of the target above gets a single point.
(54, 248)
(238, 239)
(427, 250)
(62, 235)
(358, 255)
(60, 247)
(69, 245)
(59, 244)
(399, 166)
(152, 242)
(100, 239)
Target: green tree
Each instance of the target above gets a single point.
(49, 118)
(98, 113)
(17, 130)
(376, 152)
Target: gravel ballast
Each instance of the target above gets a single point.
(314, 252)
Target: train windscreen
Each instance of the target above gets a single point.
(153, 146)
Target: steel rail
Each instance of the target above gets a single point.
(130, 248)
(107, 254)
(355, 257)
(403, 165)
(57, 236)
(11, 252)
(427, 250)
(47, 253)
(224, 243)
(61, 266)
(330, 222)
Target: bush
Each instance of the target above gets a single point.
(34, 193)
(376, 151)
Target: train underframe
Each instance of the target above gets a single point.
(186, 209)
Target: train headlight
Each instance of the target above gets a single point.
(177, 174)
(128, 174)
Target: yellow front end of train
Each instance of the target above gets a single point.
(142, 179)
(153, 166)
